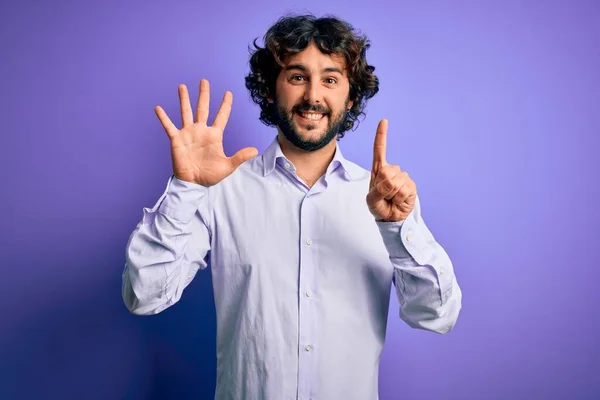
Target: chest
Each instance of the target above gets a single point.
(277, 232)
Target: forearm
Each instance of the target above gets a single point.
(426, 286)
(159, 263)
(429, 298)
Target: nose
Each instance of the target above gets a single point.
(312, 94)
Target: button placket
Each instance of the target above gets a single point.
(306, 310)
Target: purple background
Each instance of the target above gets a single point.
(494, 109)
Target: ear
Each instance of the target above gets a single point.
(270, 100)
(350, 104)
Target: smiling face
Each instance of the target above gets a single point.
(312, 97)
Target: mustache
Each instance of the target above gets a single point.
(306, 107)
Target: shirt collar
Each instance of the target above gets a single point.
(273, 153)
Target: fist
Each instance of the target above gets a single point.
(392, 193)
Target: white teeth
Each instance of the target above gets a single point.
(312, 116)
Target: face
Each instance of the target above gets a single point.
(311, 99)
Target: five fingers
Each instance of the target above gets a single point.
(202, 109)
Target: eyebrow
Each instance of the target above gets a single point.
(303, 68)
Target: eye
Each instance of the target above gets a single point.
(330, 81)
(297, 78)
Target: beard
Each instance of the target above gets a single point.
(290, 130)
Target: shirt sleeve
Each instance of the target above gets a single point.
(166, 249)
(426, 286)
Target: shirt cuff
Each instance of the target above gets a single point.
(408, 239)
(391, 234)
(404, 239)
(181, 199)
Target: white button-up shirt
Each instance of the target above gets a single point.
(301, 276)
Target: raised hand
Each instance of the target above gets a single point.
(392, 194)
(197, 149)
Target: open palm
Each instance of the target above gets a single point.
(197, 148)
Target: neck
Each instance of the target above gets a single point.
(310, 165)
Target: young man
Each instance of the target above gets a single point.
(304, 245)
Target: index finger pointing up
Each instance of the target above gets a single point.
(379, 147)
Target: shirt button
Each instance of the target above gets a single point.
(409, 236)
(308, 293)
(288, 165)
(308, 348)
(308, 242)
(442, 270)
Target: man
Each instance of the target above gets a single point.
(304, 245)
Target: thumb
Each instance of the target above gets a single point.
(374, 196)
(243, 155)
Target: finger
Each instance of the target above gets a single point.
(378, 204)
(386, 172)
(224, 111)
(388, 181)
(383, 189)
(379, 147)
(374, 196)
(243, 155)
(402, 192)
(372, 181)
(407, 189)
(203, 102)
(409, 193)
(165, 121)
(387, 189)
(401, 197)
(186, 108)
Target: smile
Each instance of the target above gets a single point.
(311, 116)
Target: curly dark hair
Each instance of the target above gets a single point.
(291, 34)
